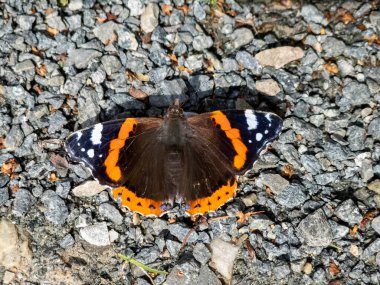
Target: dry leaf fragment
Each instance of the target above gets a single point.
(354, 231)
(112, 39)
(333, 268)
(52, 31)
(332, 68)
(185, 69)
(41, 70)
(167, 9)
(100, 19)
(138, 94)
(347, 18)
(184, 8)
(53, 177)
(2, 145)
(111, 17)
(9, 166)
(372, 39)
(49, 11)
(370, 215)
(251, 250)
(38, 89)
(288, 170)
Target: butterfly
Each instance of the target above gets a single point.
(152, 163)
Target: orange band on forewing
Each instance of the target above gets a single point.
(136, 204)
(220, 119)
(112, 169)
(213, 202)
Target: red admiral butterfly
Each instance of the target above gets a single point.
(153, 162)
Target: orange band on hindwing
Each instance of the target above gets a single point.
(127, 129)
(233, 134)
(215, 200)
(143, 206)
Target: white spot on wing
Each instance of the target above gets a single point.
(259, 136)
(79, 135)
(100, 155)
(78, 144)
(82, 149)
(249, 141)
(251, 119)
(96, 135)
(90, 153)
(266, 131)
(269, 118)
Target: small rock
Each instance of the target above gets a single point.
(127, 102)
(374, 128)
(15, 252)
(202, 42)
(202, 85)
(292, 196)
(148, 255)
(260, 222)
(375, 186)
(75, 5)
(315, 230)
(333, 47)
(371, 250)
(56, 210)
(4, 195)
(111, 213)
(88, 189)
(207, 276)
(127, 40)
(180, 232)
(223, 255)
(348, 212)
(275, 182)
(8, 277)
(201, 253)
(173, 247)
(81, 58)
(356, 138)
(67, 241)
(307, 268)
(158, 226)
(184, 274)
(96, 234)
(198, 11)
(23, 201)
(25, 22)
(268, 87)
(311, 14)
(376, 224)
(279, 57)
(106, 32)
(149, 18)
(15, 138)
(248, 62)
(136, 7)
(241, 37)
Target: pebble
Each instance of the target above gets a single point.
(111, 213)
(149, 18)
(275, 182)
(81, 58)
(23, 201)
(67, 241)
(333, 47)
(127, 40)
(315, 230)
(202, 42)
(292, 196)
(348, 212)
(185, 273)
(279, 57)
(96, 234)
(202, 84)
(55, 210)
(268, 87)
(241, 37)
(311, 14)
(15, 249)
(4, 195)
(198, 11)
(207, 276)
(201, 253)
(374, 129)
(88, 189)
(180, 232)
(376, 224)
(375, 186)
(15, 138)
(136, 7)
(173, 247)
(148, 255)
(223, 255)
(371, 249)
(249, 62)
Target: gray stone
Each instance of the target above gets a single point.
(292, 196)
(67, 241)
(63, 189)
(230, 64)
(127, 40)
(111, 64)
(279, 57)
(4, 179)
(333, 47)
(310, 163)
(315, 230)
(4, 196)
(338, 230)
(184, 274)
(96, 234)
(260, 222)
(241, 37)
(202, 42)
(167, 91)
(356, 138)
(348, 212)
(106, 32)
(25, 67)
(136, 7)
(249, 62)
(345, 67)
(198, 11)
(202, 85)
(111, 213)
(180, 232)
(173, 247)
(54, 21)
(158, 226)
(25, 22)
(127, 102)
(326, 178)
(275, 182)
(371, 250)
(376, 224)
(354, 94)
(148, 255)
(56, 210)
(207, 276)
(311, 14)
(149, 18)
(374, 128)
(74, 22)
(201, 253)
(75, 5)
(81, 58)
(88, 106)
(56, 122)
(14, 138)
(223, 256)
(159, 57)
(23, 201)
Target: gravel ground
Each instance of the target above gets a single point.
(65, 65)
